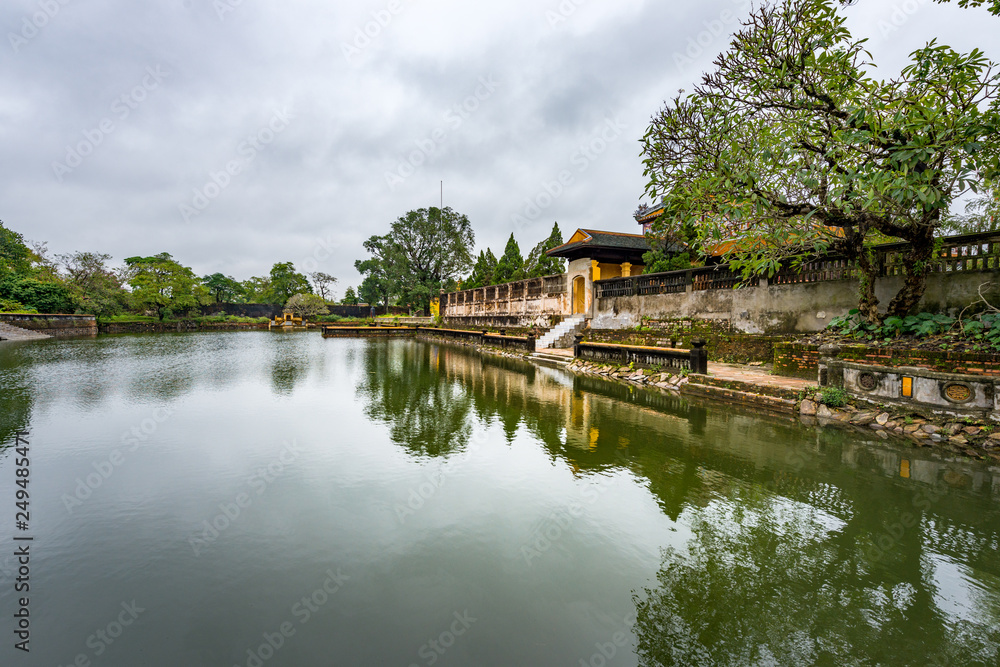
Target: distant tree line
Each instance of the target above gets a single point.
(32, 280)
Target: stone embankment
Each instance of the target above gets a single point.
(8, 332)
(967, 437)
(978, 440)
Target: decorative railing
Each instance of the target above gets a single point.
(694, 360)
(969, 252)
(533, 295)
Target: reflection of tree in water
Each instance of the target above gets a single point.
(777, 583)
(290, 361)
(405, 387)
(15, 398)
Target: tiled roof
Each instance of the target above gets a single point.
(600, 239)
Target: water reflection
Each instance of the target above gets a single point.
(807, 546)
(404, 387)
(15, 394)
(769, 581)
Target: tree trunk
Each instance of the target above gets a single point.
(916, 266)
(867, 273)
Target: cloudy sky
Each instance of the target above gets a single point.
(237, 133)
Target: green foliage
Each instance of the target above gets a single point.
(992, 5)
(793, 139)
(425, 251)
(284, 283)
(255, 289)
(323, 282)
(538, 263)
(920, 325)
(15, 257)
(483, 272)
(160, 283)
(44, 297)
(223, 289)
(511, 264)
(308, 306)
(11, 306)
(97, 289)
(350, 298)
(833, 397)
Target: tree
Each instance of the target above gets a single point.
(483, 271)
(791, 149)
(160, 283)
(96, 287)
(538, 263)
(382, 277)
(661, 258)
(224, 289)
(255, 289)
(307, 305)
(285, 282)
(511, 264)
(323, 282)
(38, 295)
(15, 257)
(424, 251)
(992, 5)
(350, 298)
(982, 214)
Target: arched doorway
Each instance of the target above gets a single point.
(579, 295)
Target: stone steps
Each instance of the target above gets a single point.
(10, 332)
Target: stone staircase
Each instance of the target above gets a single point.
(10, 332)
(561, 335)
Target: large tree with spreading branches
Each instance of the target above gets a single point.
(791, 148)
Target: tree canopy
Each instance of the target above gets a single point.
(308, 306)
(162, 284)
(15, 257)
(539, 264)
(425, 251)
(224, 289)
(285, 282)
(483, 271)
(510, 266)
(790, 148)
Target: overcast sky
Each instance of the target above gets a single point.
(237, 133)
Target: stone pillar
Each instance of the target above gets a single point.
(827, 354)
(699, 357)
(626, 270)
(577, 339)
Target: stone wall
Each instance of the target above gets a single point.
(271, 310)
(951, 394)
(58, 326)
(801, 360)
(183, 325)
(722, 342)
(785, 308)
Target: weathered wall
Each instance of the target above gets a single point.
(721, 342)
(59, 326)
(505, 321)
(782, 309)
(183, 325)
(801, 360)
(270, 310)
(526, 299)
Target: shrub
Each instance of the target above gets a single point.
(833, 397)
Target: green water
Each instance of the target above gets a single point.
(260, 498)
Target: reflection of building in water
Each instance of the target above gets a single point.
(693, 455)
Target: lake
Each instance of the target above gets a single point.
(263, 498)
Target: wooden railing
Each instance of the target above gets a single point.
(969, 252)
